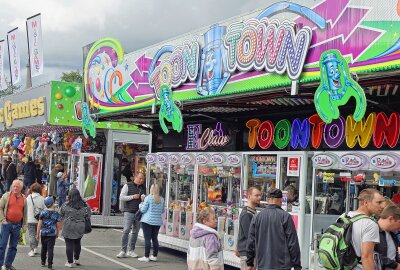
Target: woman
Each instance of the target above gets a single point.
(35, 203)
(52, 186)
(152, 209)
(73, 213)
(205, 247)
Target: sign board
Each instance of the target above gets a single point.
(293, 166)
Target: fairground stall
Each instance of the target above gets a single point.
(269, 87)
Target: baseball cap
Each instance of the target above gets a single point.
(274, 193)
(60, 174)
(48, 201)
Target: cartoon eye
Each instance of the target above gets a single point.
(337, 70)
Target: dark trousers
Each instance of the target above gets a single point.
(73, 249)
(48, 243)
(150, 233)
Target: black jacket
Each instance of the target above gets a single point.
(29, 171)
(10, 173)
(273, 237)
(244, 225)
(382, 249)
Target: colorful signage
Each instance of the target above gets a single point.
(202, 159)
(162, 158)
(209, 138)
(378, 127)
(234, 159)
(353, 161)
(151, 158)
(25, 109)
(169, 111)
(187, 159)
(324, 161)
(174, 159)
(385, 161)
(328, 177)
(293, 168)
(249, 54)
(336, 88)
(217, 159)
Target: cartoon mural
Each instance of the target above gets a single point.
(258, 51)
(66, 108)
(336, 88)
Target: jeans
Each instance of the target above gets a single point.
(61, 200)
(150, 232)
(130, 223)
(33, 243)
(73, 248)
(9, 232)
(48, 243)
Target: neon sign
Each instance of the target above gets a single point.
(209, 138)
(336, 88)
(380, 128)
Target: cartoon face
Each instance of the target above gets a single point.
(210, 63)
(333, 74)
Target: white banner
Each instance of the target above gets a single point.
(14, 54)
(34, 28)
(3, 84)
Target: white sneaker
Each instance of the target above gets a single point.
(69, 265)
(31, 253)
(77, 262)
(132, 254)
(152, 258)
(121, 255)
(3, 267)
(35, 251)
(144, 259)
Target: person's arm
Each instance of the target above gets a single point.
(124, 194)
(145, 205)
(212, 246)
(251, 243)
(293, 243)
(39, 227)
(367, 255)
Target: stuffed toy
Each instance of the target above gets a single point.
(28, 145)
(42, 147)
(16, 141)
(21, 150)
(67, 137)
(7, 145)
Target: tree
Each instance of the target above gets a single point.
(72, 76)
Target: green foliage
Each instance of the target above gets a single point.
(72, 76)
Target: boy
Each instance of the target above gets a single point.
(48, 228)
(62, 188)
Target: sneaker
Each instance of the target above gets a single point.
(122, 254)
(153, 258)
(10, 267)
(144, 259)
(50, 267)
(132, 254)
(76, 262)
(69, 265)
(31, 253)
(43, 264)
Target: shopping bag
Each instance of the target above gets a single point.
(22, 238)
(89, 187)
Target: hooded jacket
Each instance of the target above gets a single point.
(38, 201)
(205, 249)
(29, 171)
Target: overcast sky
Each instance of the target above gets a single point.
(68, 25)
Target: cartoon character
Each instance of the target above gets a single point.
(87, 122)
(15, 141)
(7, 145)
(21, 150)
(213, 68)
(336, 88)
(67, 138)
(169, 111)
(42, 145)
(376, 178)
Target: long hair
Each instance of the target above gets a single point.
(75, 200)
(155, 191)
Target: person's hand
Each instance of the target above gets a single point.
(398, 266)
(37, 236)
(136, 196)
(5, 222)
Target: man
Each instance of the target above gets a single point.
(130, 199)
(29, 171)
(365, 232)
(10, 173)
(52, 186)
(247, 214)
(13, 215)
(389, 224)
(273, 235)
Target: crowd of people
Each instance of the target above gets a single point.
(24, 209)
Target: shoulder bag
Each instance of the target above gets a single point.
(88, 223)
(36, 211)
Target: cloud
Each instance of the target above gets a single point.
(68, 25)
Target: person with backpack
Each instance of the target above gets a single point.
(273, 235)
(350, 242)
(389, 224)
(246, 216)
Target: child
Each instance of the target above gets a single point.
(48, 228)
(62, 188)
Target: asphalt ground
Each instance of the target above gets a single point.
(99, 250)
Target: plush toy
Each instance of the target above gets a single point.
(36, 143)
(54, 140)
(7, 145)
(21, 150)
(67, 137)
(42, 147)
(77, 145)
(15, 141)
(28, 145)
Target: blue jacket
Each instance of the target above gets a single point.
(152, 212)
(62, 187)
